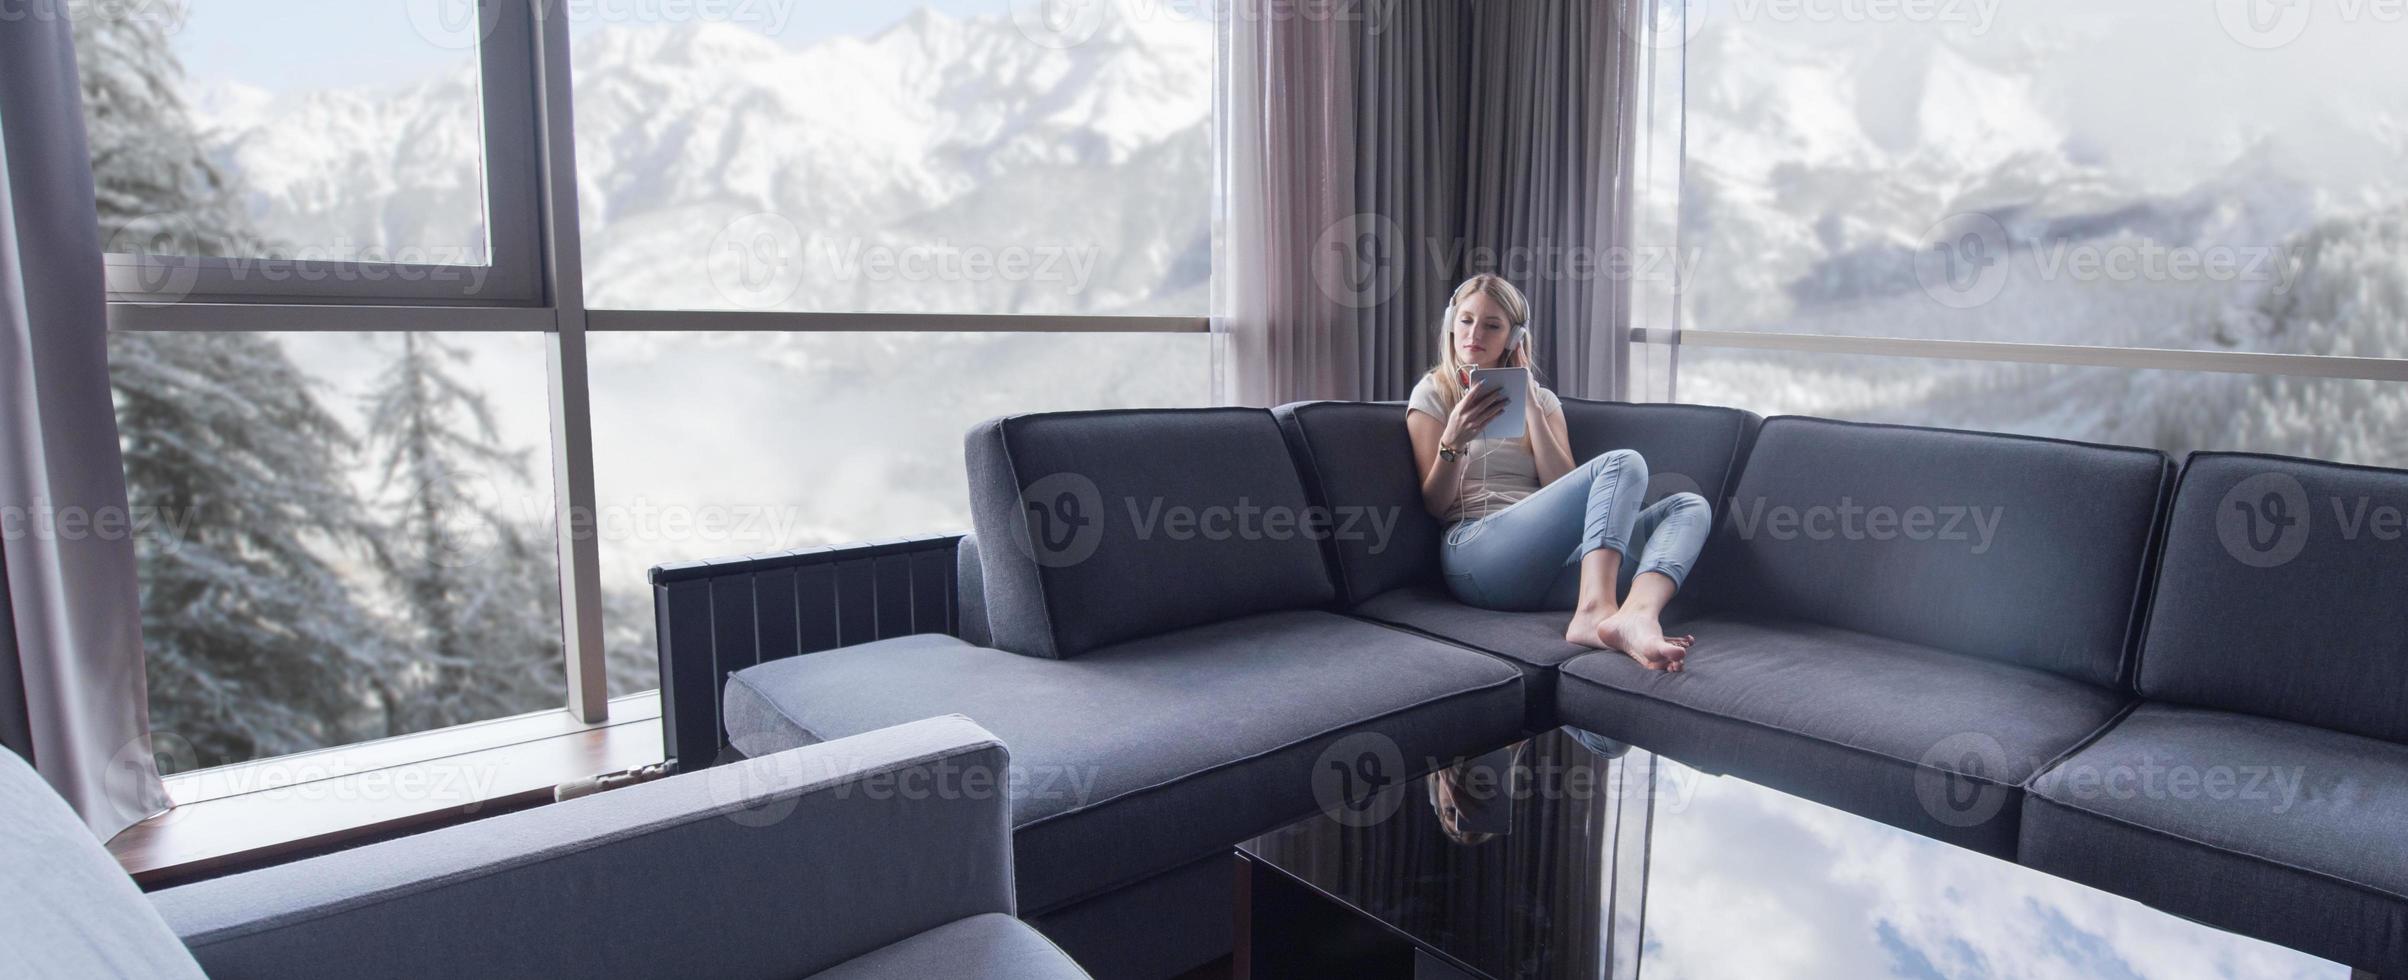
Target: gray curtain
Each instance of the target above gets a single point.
(15, 735)
(71, 593)
(1497, 136)
(1289, 268)
(1414, 83)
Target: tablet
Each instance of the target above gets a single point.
(1515, 382)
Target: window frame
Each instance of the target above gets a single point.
(535, 284)
(510, 108)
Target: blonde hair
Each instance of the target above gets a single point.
(1447, 377)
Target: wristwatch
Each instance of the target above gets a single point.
(1450, 455)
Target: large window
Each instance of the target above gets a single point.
(960, 157)
(2085, 220)
(415, 381)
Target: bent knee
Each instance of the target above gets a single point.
(1619, 463)
(1689, 504)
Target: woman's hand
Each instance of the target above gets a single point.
(1479, 406)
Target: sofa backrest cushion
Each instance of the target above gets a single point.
(2283, 592)
(1097, 527)
(2021, 550)
(1357, 462)
(67, 909)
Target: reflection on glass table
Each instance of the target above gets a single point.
(1550, 860)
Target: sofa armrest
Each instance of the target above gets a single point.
(779, 866)
(716, 617)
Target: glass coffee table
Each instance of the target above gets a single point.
(1551, 860)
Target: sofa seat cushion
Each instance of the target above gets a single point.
(2294, 834)
(1139, 757)
(982, 947)
(1532, 641)
(1905, 734)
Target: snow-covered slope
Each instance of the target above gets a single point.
(942, 135)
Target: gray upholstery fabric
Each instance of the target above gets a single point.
(1904, 734)
(66, 908)
(1357, 458)
(1148, 521)
(1533, 641)
(2282, 831)
(1163, 926)
(2312, 628)
(981, 947)
(2020, 550)
(970, 594)
(773, 867)
(1140, 757)
(1357, 461)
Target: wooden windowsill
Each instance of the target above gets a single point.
(238, 817)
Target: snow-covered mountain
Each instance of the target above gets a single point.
(1819, 179)
(937, 136)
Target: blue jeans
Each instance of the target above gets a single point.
(1527, 556)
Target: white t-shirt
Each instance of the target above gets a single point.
(1496, 472)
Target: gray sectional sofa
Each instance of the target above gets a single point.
(885, 855)
(1952, 632)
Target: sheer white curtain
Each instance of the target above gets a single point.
(1291, 261)
(76, 622)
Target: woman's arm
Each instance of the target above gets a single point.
(1442, 479)
(1550, 442)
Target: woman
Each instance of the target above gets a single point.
(1530, 528)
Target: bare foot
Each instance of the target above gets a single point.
(1637, 633)
(1583, 630)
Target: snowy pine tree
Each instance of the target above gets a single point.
(256, 645)
(475, 584)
